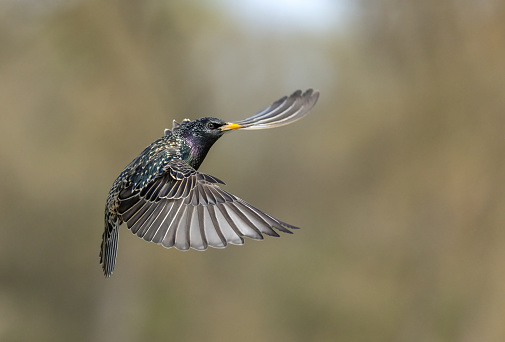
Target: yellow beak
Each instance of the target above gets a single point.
(230, 126)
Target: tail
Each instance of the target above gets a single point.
(108, 249)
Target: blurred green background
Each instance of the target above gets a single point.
(397, 175)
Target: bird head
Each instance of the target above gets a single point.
(201, 134)
(205, 130)
(282, 112)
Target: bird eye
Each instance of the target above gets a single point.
(211, 125)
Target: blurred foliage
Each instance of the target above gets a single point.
(396, 176)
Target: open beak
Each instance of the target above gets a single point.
(230, 125)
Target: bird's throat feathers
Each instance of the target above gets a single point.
(197, 150)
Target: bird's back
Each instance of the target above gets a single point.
(146, 166)
(136, 175)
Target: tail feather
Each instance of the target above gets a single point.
(108, 250)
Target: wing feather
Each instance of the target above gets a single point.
(283, 111)
(230, 232)
(129, 209)
(185, 209)
(136, 221)
(212, 233)
(201, 226)
(182, 232)
(172, 221)
(246, 229)
(196, 240)
(162, 223)
(143, 222)
(162, 209)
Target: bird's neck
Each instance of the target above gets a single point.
(194, 151)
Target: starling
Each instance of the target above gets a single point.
(162, 197)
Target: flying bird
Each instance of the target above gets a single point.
(162, 197)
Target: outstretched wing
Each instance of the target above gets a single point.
(183, 208)
(283, 111)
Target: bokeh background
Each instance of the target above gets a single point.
(397, 176)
